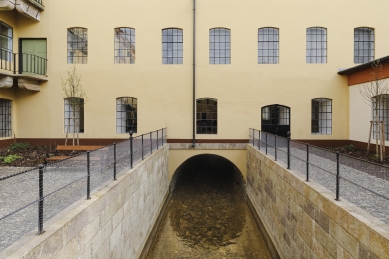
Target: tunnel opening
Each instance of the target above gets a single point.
(207, 215)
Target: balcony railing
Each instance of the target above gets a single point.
(22, 63)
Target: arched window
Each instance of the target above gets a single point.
(74, 115)
(363, 45)
(5, 118)
(172, 46)
(382, 106)
(219, 46)
(126, 114)
(77, 46)
(6, 35)
(124, 45)
(206, 116)
(268, 45)
(316, 51)
(321, 118)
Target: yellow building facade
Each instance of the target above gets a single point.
(164, 92)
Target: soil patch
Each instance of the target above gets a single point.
(350, 150)
(24, 155)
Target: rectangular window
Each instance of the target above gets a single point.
(363, 45)
(124, 46)
(268, 46)
(383, 115)
(316, 45)
(219, 46)
(321, 118)
(77, 46)
(206, 116)
(6, 35)
(74, 115)
(5, 118)
(126, 114)
(172, 46)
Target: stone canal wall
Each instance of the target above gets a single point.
(303, 219)
(115, 223)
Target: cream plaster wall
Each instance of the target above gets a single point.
(179, 156)
(164, 92)
(360, 114)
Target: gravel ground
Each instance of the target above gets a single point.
(364, 184)
(64, 182)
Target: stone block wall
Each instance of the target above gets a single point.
(114, 223)
(303, 219)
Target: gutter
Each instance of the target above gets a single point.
(194, 74)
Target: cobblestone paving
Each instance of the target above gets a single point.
(361, 183)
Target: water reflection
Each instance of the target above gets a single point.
(207, 217)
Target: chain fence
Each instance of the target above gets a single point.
(361, 182)
(30, 198)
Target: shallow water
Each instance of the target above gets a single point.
(208, 218)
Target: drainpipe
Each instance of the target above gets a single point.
(194, 74)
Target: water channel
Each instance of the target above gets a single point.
(206, 216)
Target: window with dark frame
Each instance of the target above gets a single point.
(363, 45)
(126, 114)
(206, 116)
(172, 46)
(74, 115)
(124, 45)
(6, 35)
(219, 46)
(5, 118)
(321, 118)
(268, 45)
(383, 115)
(77, 46)
(316, 45)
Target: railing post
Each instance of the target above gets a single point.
(162, 138)
(337, 176)
(142, 146)
(266, 142)
(40, 203)
(157, 139)
(259, 140)
(275, 147)
(88, 178)
(288, 134)
(151, 143)
(307, 162)
(253, 137)
(114, 161)
(131, 148)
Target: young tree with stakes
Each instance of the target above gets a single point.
(375, 95)
(76, 98)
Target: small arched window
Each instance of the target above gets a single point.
(321, 118)
(124, 46)
(6, 35)
(206, 116)
(268, 45)
(77, 45)
(172, 46)
(316, 51)
(5, 118)
(363, 45)
(219, 46)
(126, 114)
(74, 115)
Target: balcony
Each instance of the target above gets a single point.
(27, 70)
(29, 8)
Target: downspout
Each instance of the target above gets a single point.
(194, 74)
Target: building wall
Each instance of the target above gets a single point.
(303, 219)
(164, 92)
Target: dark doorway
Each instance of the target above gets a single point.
(276, 119)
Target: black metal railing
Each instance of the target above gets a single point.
(29, 198)
(359, 181)
(22, 63)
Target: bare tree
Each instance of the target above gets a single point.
(375, 95)
(75, 97)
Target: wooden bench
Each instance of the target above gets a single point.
(73, 148)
